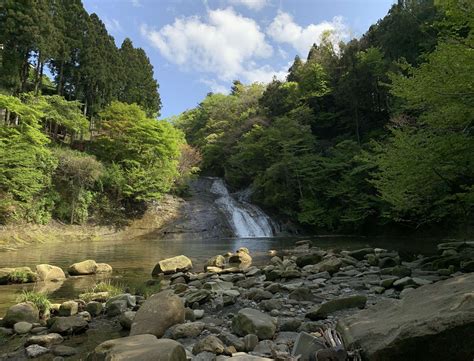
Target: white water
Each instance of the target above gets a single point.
(246, 220)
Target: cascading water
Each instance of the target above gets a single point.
(247, 220)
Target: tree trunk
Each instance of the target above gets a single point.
(39, 65)
(25, 70)
(61, 78)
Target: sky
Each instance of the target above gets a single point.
(201, 46)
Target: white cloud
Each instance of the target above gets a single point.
(136, 3)
(284, 30)
(215, 86)
(251, 4)
(112, 25)
(225, 43)
(264, 74)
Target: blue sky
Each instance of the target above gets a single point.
(198, 46)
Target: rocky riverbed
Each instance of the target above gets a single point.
(306, 304)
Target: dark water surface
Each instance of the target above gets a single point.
(133, 260)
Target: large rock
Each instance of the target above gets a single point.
(87, 267)
(331, 265)
(25, 311)
(47, 272)
(17, 275)
(172, 265)
(157, 314)
(67, 325)
(241, 258)
(139, 348)
(430, 323)
(337, 304)
(249, 321)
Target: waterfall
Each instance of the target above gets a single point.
(246, 219)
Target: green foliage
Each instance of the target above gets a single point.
(40, 300)
(103, 286)
(20, 276)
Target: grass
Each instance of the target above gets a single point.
(103, 286)
(40, 300)
(147, 290)
(21, 276)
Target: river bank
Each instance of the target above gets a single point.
(293, 302)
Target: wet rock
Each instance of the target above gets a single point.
(25, 311)
(190, 329)
(22, 327)
(306, 345)
(172, 265)
(67, 325)
(94, 308)
(68, 308)
(87, 267)
(139, 348)
(209, 344)
(45, 340)
(126, 319)
(249, 320)
(66, 351)
(330, 265)
(438, 315)
(34, 351)
(47, 272)
(325, 309)
(157, 314)
(301, 294)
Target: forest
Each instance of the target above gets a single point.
(373, 132)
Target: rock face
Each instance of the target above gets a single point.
(249, 321)
(427, 324)
(173, 265)
(47, 272)
(157, 314)
(87, 267)
(139, 348)
(25, 311)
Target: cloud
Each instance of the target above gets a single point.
(264, 74)
(284, 30)
(225, 43)
(215, 86)
(251, 4)
(136, 3)
(112, 25)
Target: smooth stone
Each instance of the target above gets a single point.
(48, 272)
(209, 344)
(71, 324)
(103, 268)
(25, 311)
(86, 267)
(22, 327)
(45, 340)
(34, 351)
(251, 321)
(250, 341)
(172, 265)
(190, 329)
(68, 308)
(342, 303)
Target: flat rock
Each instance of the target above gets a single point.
(439, 315)
(139, 348)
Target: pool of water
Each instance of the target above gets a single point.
(133, 260)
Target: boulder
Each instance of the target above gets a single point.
(301, 294)
(429, 323)
(139, 348)
(323, 310)
(17, 275)
(22, 327)
(126, 319)
(331, 265)
(25, 311)
(47, 272)
(209, 344)
(359, 254)
(249, 320)
(190, 329)
(157, 314)
(34, 351)
(172, 265)
(87, 267)
(216, 261)
(103, 268)
(308, 259)
(68, 308)
(67, 325)
(241, 258)
(94, 308)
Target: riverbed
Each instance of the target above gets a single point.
(133, 260)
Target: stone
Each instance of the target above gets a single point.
(250, 341)
(116, 308)
(216, 261)
(198, 314)
(130, 300)
(387, 262)
(34, 351)
(269, 305)
(68, 308)
(323, 310)
(230, 339)
(467, 266)
(67, 325)
(95, 308)
(306, 345)
(331, 265)
(158, 313)
(249, 320)
(289, 324)
(301, 294)
(439, 315)
(172, 265)
(103, 268)
(45, 340)
(388, 282)
(17, 275)
(190, 329)
(308, 259)
(47, 272)
(246, 357)
(25, 311)
(5, 332)
(209, 344)
(264, 347)
(241, 258)
(198, 296)
(257, 294)
(86, 267)
(22, 327)
(126, 319)
(400, 271)
(139, 348)
(403, 282)
(359, 254)
(62, 350)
